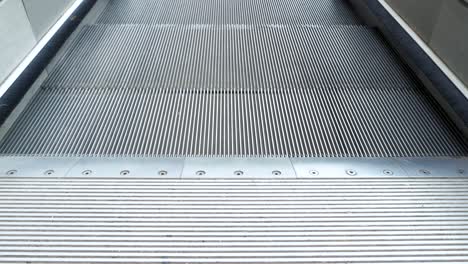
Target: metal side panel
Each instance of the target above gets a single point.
(328, 218)
(17, 37)
(436, 76)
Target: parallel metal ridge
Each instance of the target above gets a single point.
(323, 12)
(228, 57)
(143, 220)
(318, 122)
(296, 91)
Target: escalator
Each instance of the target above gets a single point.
(231, 132)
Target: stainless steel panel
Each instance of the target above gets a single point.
(232, 168)
(44, 13)
(421, 15)
(442, 25)
(450, 37)
(16, 36)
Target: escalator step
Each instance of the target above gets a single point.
(314, 122)
(228, 57)
(220, 91)
(324, 12)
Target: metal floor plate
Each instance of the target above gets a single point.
(148, 220)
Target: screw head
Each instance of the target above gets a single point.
(425, 172)
(49, 172)
(461, 171)
(276, 173)
(387, 172)
(11, 172)
(238, 173)
(200, 173)
(125, 172)
(162, 173)
(351, 172)
(87, 172)
(314, 173)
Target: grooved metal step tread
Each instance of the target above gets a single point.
(290, 91)
(228, 57)
(317, 122)
(324, 12)
(141, 220)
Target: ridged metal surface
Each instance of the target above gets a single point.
(232, 91)
(324, 12)
(267, 82)
(228, 57)
(335, 122)
(136, 220)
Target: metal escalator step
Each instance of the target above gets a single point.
(232, 91)
(141, 220)
(313, 122)
(228, 57)
(324, 12)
